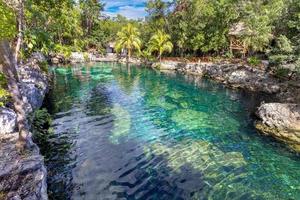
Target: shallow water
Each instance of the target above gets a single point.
(122, 132)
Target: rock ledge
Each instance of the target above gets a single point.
(281, 121)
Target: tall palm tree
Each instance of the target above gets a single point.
(160, 43)
(128, 38)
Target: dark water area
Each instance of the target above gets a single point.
(126, 132)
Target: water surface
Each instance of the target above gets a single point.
(123, 132)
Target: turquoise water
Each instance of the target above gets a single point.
(123, 132)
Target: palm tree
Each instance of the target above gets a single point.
(160, 43)
(128, 38)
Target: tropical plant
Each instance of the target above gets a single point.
(160, 43)
(128, 38)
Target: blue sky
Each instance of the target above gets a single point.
(132, 9)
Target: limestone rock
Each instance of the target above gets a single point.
(8, 120)
(38, 57)
(22, 175)
(34, 85)
(165, 65)
(77, 57)
(281, 121)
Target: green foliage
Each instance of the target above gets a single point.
(44, 66)
(41, 126)
(282, 72)
(7, 22)
(128, 38)
(64, 50)
(4, 94)
(195, 27)
(86, 56)
(254, 61)
(160, 43)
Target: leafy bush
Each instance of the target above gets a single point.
(4, 94)
(86, 56)
(254, 61)
(44, 66)
(282, 72)
(41, 126)
(64, 50)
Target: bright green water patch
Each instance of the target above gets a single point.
(123, 132)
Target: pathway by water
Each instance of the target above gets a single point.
(132, 133)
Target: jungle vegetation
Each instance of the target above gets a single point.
(195, 27)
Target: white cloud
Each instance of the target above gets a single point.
(130, 12)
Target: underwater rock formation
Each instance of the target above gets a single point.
(122, 123)
(224, 174)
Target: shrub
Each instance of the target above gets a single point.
(64, 50)
(41, 125)
(282, 72)
(4, 94)
(86, 56)
(254, 61)
(44, 66)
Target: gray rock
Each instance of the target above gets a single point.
(22, 175)
(234, 75)
(38, 57)
(34, 85)
(57, 58)
(281, 121)
(77, 57)
(8, 120)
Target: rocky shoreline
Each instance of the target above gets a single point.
(23, 175)
(279, 119)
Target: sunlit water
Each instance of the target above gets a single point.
(133, 133)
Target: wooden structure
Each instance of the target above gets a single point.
(110, 47)
(236, 34)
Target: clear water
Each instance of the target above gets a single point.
(122, 132)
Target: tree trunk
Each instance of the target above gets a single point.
(20, 24)
(8, 62)
(128, 55)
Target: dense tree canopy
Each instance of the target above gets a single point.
(196, 27)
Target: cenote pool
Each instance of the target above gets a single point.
(123, 132)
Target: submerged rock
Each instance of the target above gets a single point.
(122, 123)
(224, 173)
(281, 121)
(8, 120)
